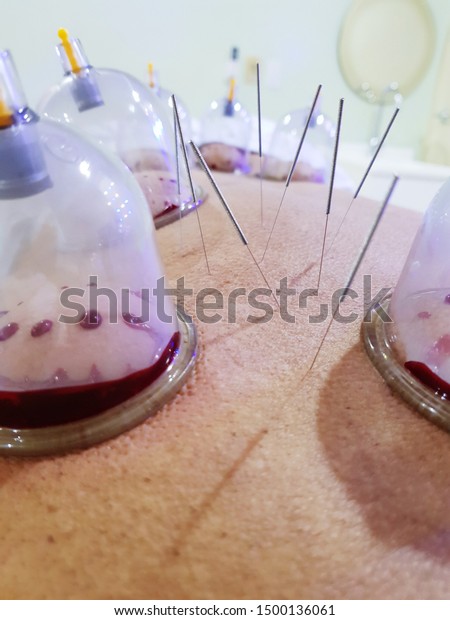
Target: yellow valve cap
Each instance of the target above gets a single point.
(64, 36)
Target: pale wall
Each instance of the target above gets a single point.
(189, 41)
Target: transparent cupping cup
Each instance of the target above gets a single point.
(225, 136)
(82, 326)
(125, 117)
(316, 153)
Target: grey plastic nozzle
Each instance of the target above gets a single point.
(23, 171)
(22, 166)
(85, 90)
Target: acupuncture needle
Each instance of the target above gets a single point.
(177, 163)
(227, 208)
(294, 163)
(258, 91)
(366, 173)
(357, 264)
(188, 169)
(330, 190)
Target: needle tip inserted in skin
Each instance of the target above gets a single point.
(356, 266)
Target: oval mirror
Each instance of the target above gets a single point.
(385, 47)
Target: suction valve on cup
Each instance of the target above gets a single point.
(22, 167)
(85, 90)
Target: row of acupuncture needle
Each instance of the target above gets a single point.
(332, 174)
(330, 195)
(329, 201)
(203, 164)
(180, 139)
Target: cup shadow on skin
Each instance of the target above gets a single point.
(393, 462)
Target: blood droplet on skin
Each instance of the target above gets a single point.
(8, 331)
(423, 315)
(132, 319)
(41, 328)
(91, 320)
